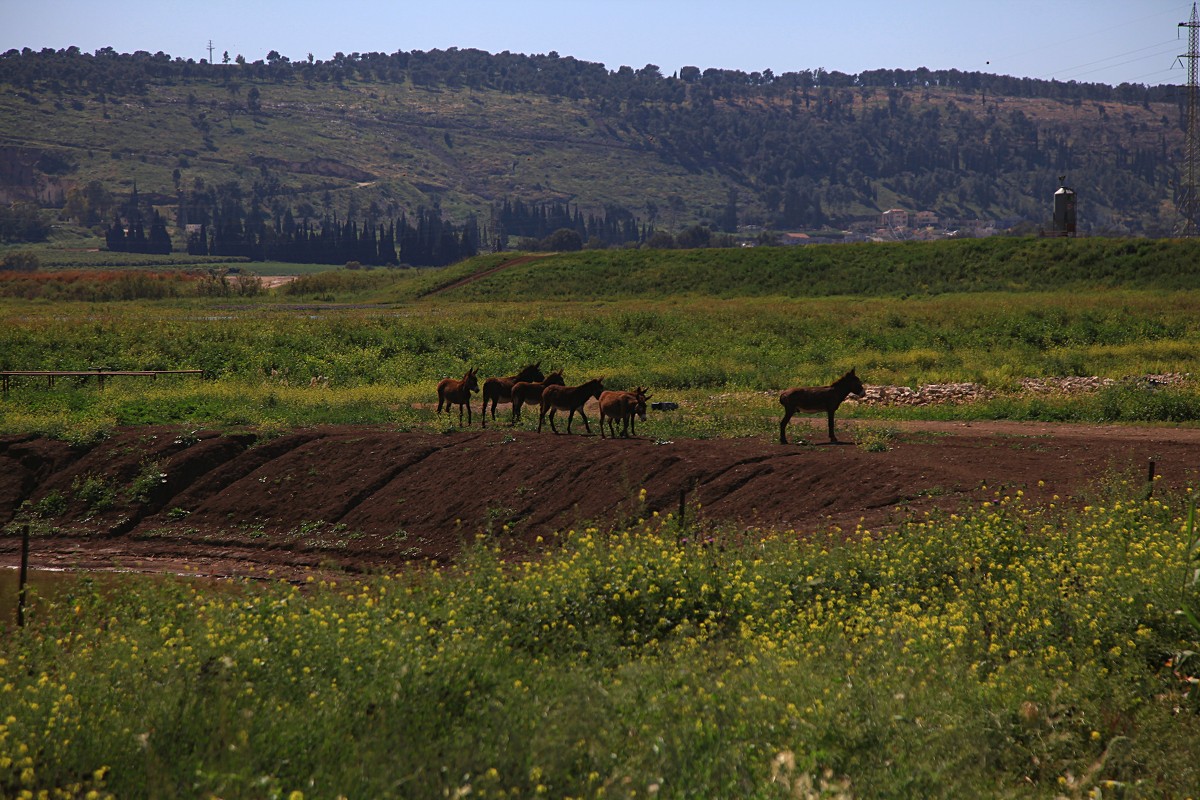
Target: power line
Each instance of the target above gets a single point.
(1164, 72)
(1058, 42)
(1161, 48)
(1169, 43)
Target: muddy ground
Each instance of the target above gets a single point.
(368, 499)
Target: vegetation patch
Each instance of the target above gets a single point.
(1007, 650)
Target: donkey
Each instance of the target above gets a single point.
(499, 390)
(623, 406)
(815, 399)
(569, 399)
(531, 392)
(457, 392)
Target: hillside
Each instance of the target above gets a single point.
(372, 136)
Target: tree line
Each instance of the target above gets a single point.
(425, 241)
(536, 222)
(222, 225)
(549, 73)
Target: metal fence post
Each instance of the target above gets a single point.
(21, 580)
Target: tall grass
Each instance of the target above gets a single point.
(96, 285)
(1005, 652)
(262, 359)
(695, 325)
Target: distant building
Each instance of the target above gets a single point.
(894, 218)
(925, 218)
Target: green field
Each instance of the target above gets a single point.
(719, 331)
(1008, 651)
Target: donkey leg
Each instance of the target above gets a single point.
(552, 411)
(602, 424)
(541, 418)
(787, 416)
(583, 417)
(832, 438)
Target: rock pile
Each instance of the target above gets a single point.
(929, 394)
(956, 393)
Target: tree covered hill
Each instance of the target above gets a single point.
(373, 135)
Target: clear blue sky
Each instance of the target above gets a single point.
(1103, 41)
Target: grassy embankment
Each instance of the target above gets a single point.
(718, 331)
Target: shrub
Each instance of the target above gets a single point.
(21, 261)
(563, 240)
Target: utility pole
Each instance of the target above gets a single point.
(1187, 203)
(210, 49)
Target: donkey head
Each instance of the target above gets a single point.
(851, 384)
(641, 396)
(531, 373)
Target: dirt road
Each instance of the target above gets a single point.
(364, 498)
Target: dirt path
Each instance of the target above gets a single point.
(364, 498)
(512, 262)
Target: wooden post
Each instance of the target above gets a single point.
(682, 497)
(1150, 480)
(23, 576)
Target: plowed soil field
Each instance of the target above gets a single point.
(367, 499)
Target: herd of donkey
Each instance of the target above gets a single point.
(552, 394)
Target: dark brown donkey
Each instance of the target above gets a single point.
(623, 407)
(499, 390)
(569, 399)
(815, 399)
(452, 392)
(531, 392)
